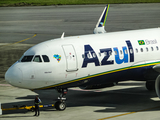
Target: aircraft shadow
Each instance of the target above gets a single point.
(120, 100)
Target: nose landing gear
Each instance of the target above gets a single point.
(61, 104)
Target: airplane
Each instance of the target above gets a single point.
(90, 61)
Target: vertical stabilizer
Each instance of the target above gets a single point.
(102, 21)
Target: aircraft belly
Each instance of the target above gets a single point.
(109, 77)
(88, 76)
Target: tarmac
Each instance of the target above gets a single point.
(23, 27)
(127, 100)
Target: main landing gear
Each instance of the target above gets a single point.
(61, 104)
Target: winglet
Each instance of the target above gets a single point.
(102, 21)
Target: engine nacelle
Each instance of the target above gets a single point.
(157, 86)
(97, 86)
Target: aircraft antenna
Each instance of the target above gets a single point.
(62, 35)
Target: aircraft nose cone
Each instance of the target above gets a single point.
(14, 76)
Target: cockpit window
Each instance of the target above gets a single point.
(37, 58)
(45, 58)
(27, 58)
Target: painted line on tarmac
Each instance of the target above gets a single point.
(5, 85)
(129, 113)
(20, 41)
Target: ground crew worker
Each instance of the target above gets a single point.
(37, 101)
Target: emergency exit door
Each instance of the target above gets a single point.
(71, 58)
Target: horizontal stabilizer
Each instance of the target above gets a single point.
(102, 21)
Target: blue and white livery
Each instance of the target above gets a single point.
(90, 61)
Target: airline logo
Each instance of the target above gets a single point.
(128, 55)
(58, 57)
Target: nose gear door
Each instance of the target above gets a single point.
(71, 58)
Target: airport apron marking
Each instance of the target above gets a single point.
(20, 41)
(129, 113)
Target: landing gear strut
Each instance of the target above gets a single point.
(61, 104)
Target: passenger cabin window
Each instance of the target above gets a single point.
(157, 47)
(152, 48)
(27, 58)
(125, 51)
(88, 55)
(37, 58)
(105, 53)
(45, 58)
(131, 51)
(147, 49)
(120, 51)
(115, 52)
(100, 54)
(94, 55)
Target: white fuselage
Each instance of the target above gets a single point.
(87, 59)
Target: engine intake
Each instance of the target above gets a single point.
(157, 86)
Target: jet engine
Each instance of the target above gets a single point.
(157, 86)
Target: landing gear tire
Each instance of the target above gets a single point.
(150, 85)
(60, 105)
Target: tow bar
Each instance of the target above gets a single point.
(31, 108)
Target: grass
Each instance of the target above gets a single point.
(68, 2)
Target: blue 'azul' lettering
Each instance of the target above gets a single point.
(108, 52)
(93, 59)
(131, 52)
(125, 54)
